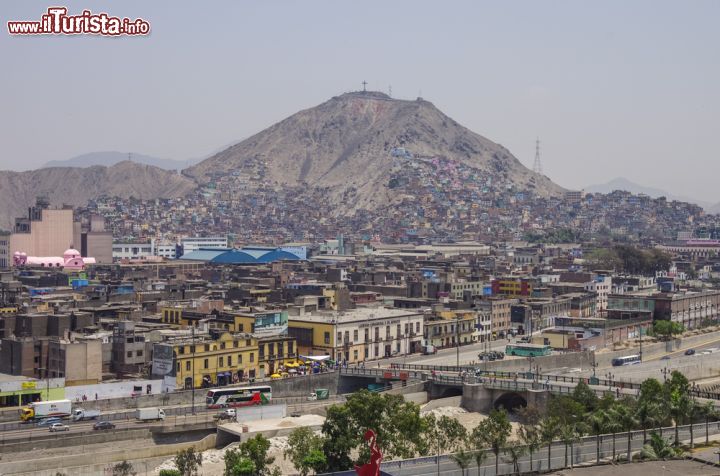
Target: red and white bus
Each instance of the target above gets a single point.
(238, 396)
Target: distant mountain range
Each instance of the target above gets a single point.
(110, 158)
(76, 185)
(621, 183)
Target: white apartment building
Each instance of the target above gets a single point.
(602, 286)
(194, 243)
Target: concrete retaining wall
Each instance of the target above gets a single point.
(658, 349)
(64, 440)
(49, 466)
(546, 363)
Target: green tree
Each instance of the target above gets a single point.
(315, 460)
(585, 396)
(339, 439)
(463, 459)
(302, 441)
(613, 426)
(625, 417)
(514, 453)
(651, 404)
(188, 462)
(708, 411)
(238, 465)
(566, 410)
(445, 434)
(667, 329)
(494, 432)
(166, 472)
(254, 450)
(598, 424)
(658, 448)
(480, 456)
(677, 397)
(568, 434)
(549, 429)
(530, 437)
(123, 468)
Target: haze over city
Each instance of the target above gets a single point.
(612, 89)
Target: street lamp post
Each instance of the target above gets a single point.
(192, 386)
(457, 342)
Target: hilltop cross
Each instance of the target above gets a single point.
(364, 83)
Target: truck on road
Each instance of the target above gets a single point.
(80, 414)
(149, 414)
(50, 408)
(319, 394)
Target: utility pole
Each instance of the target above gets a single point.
(192, 387)
(457, 341)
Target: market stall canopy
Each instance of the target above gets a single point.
(316, 358)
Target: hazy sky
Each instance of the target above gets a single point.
(613, 88)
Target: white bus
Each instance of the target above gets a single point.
(627, 360)
(238, 396)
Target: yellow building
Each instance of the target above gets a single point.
(204, 362)
(359, 334)
(448, 326)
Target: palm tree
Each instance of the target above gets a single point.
(530, 437)
(627, 421)
(548, 432)
(613, 426)
(708, 411)
(463, 459)
(567, 435)
(649, 414)
(515, 452)
(598, 423)
(658, 448)
(679, 406)
(480, 457)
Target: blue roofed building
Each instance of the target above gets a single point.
(247, 255)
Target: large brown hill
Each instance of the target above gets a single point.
(348, 142)
(75, 186)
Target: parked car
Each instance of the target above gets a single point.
(103, 425)
(49, 421)
(690, 352)
(665, 357)
(58, 427)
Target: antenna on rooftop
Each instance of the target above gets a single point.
(537, 165)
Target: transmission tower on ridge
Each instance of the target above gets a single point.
(537, 165)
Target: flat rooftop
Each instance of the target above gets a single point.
(355, 315)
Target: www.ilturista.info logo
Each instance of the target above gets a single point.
(57, 22)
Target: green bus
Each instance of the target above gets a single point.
(528, 350)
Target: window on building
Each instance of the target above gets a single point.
(366, 352)
(291, 349)
(241, 327)
(367, 335)
(139, 353)
(252, 357)
(222, 345)
(239, 358)
(192, 349)
(271, 349)
(205, 364)
(221, 361)
(355, 335)
(207, 347)
(347, 336)
(235, 344)
(129, 353)
(339, 337)
(407, 328)
(248, 342)
(355, 354)
(327, 338)
(181, 349)
(178, 367)
(280, 350)
(397, 331)
(387, 332)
